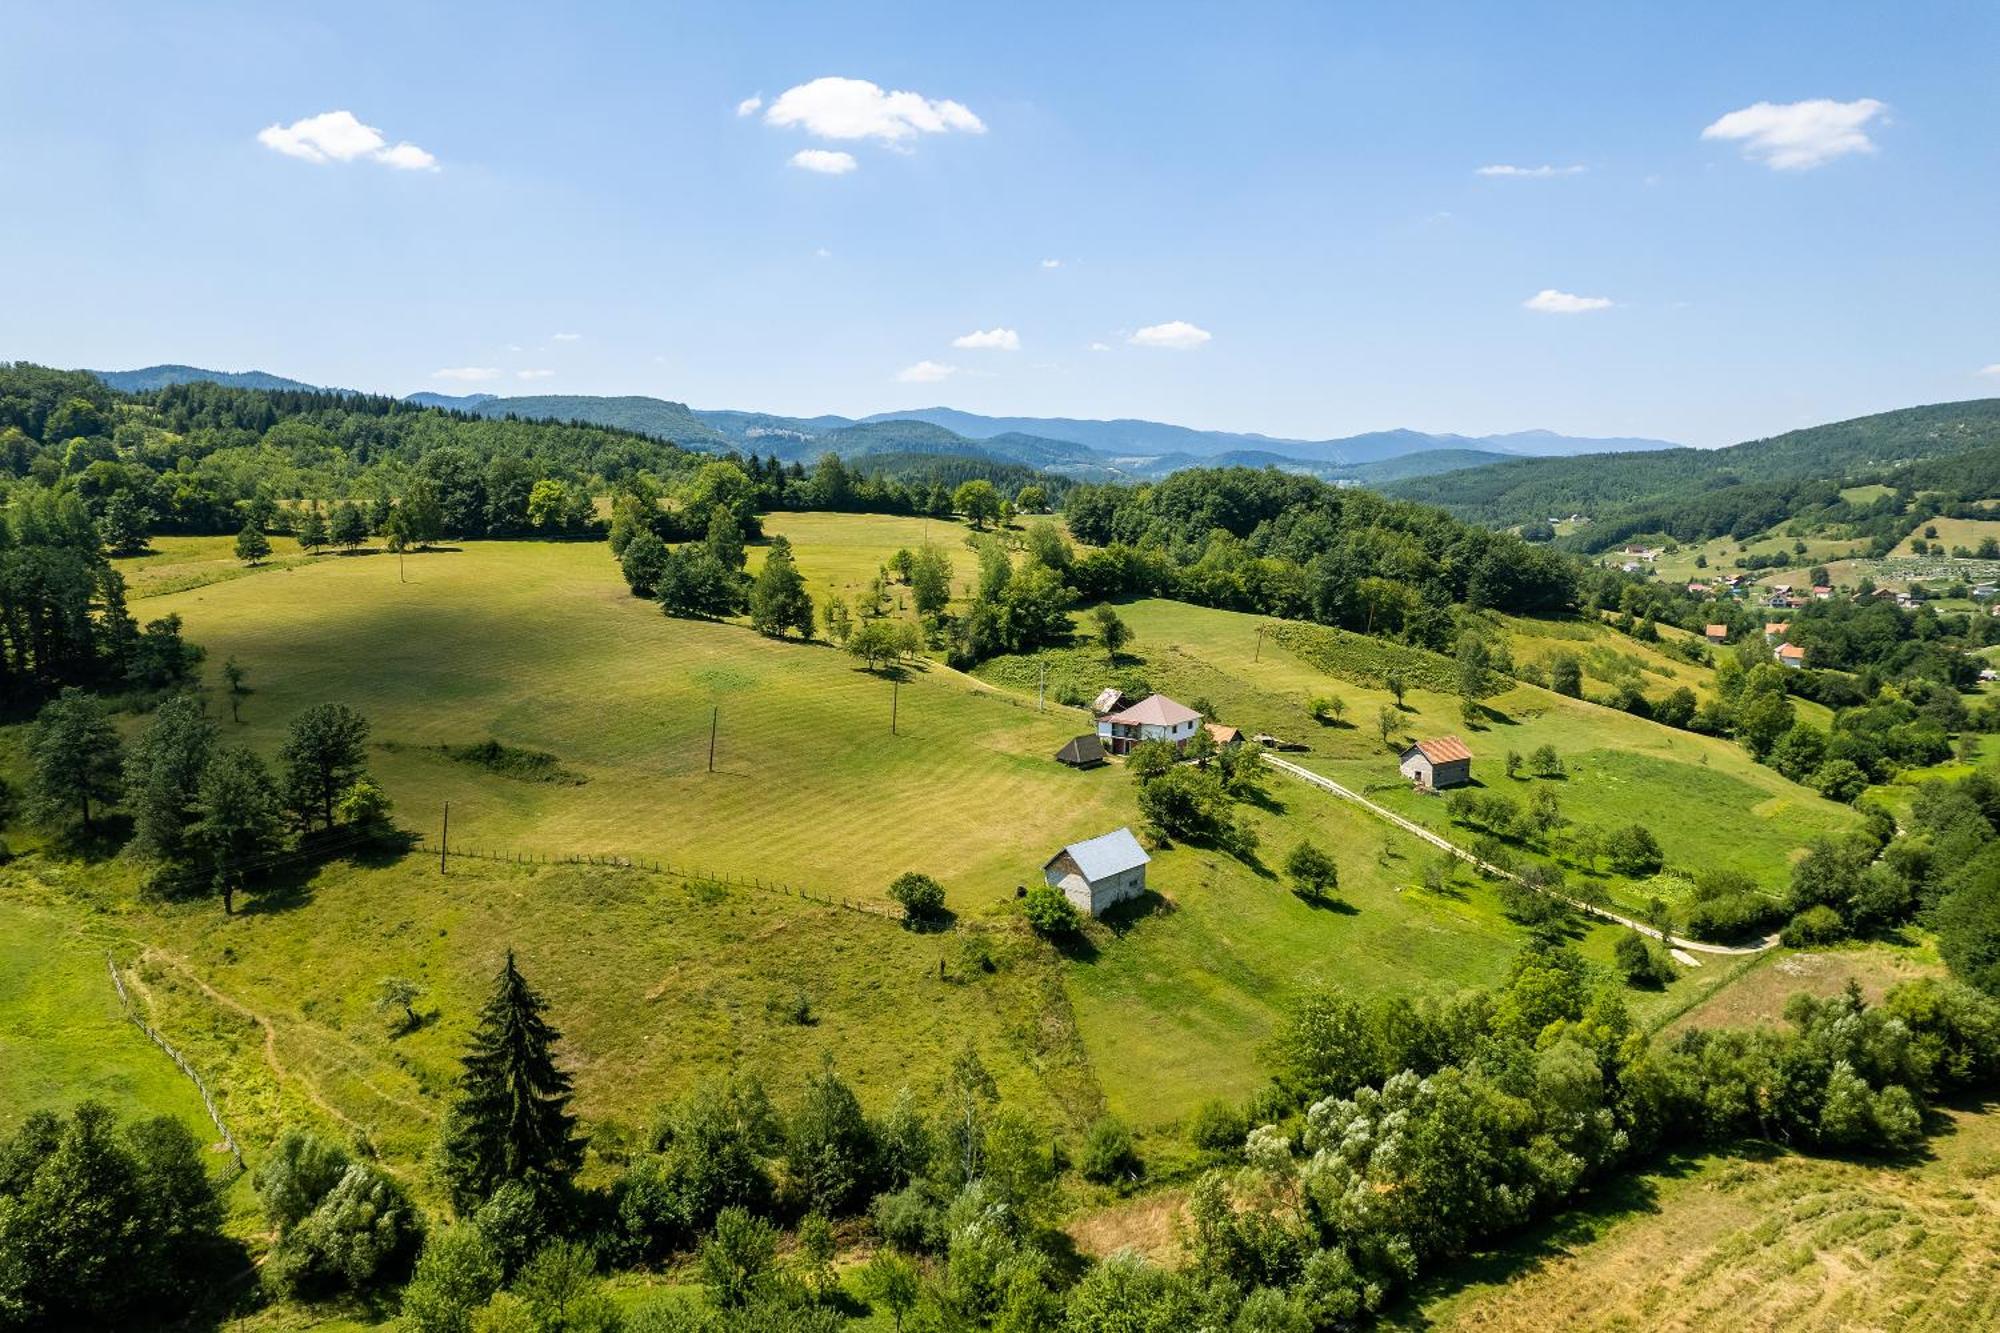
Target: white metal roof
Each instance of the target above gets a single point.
(1109, 854)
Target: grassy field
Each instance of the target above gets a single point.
(1704, 798)
(1770, 1241)
(1951, 532)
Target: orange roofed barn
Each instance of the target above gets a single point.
(1437, 764)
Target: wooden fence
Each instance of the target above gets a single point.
(214, 1113)
(688, 874)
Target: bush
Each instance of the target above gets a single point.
(1048, 911)
(301, 1170)
(457, 1273)
(1633, 850)
(1108, 1152)
(921, 897)
(910, 1219)
(363, 1232)
(1732, 916)
(1216, 1127)
(1641, 962)
(1815, 925)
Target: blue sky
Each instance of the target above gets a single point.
(1299, 183)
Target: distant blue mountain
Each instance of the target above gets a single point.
(159, 377)
(1076, 447)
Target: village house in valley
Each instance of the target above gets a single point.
(1153, 718)
(1436, 764)
(1099, 872)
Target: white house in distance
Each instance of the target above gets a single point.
(1099, 872)
(1153, 718)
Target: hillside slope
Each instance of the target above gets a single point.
(1600, 486)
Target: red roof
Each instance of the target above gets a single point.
(1156, 710)
(1791, 650)
(1444, 749)
(1718, 631)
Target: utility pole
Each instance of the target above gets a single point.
(1258, 656)
(895, 699)
(444, 840)
(1041, 684)
(713, 714)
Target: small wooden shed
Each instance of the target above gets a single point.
(1082, 752)
(1437, 764)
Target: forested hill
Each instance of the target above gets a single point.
(1617, 490)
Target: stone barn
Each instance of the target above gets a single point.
(1099, 872)
(1437, 764)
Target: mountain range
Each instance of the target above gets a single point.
(1084, 449)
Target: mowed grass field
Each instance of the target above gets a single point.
(540, 646)
(1773, 1242)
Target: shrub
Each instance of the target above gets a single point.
(457, 1273)
(1048, 911)
(1633, 850)
(910, 1218)
(921, 897)
(362, 1233)
(301, 1170)
(1641, 962)
(1815, 925)
(1108, 1152)
(1216, 1127)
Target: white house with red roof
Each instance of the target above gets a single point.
(1153, 718)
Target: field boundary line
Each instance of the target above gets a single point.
(686, 874)
(1488, 868)
(180, 1061)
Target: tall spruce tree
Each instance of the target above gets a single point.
(511, 1121)
(75, 753)
(162, 772)
(778, 599)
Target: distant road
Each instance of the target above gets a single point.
(1438, 840)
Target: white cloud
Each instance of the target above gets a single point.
(533, 374)
(1177, 334)
(336, 136)
(926, 372)
(1543, 172)
(835, 108)
(1052, 263)
(749, 105)
(823, 161)
(567, 337)
(1796, 136)
(1993, 370)
(1549, 301)
(1100, 347)
(823, 253)
(989, 340)
(467, 374)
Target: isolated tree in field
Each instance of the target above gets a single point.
(1397, 686)
(1031, 499)
(419, 515)
(74, 753)
(348, 527)
(1634, 851)
(920, 896)
(312, 531)
(238, 819)
(930, 580)
(1566, 675)
(252, 546)
(163, 771)
(1112, 632)
(1544, 762)
(978, 501)
(397, 997)
(1313, 873)
(233, 676)
(1388, 722)
(511, 1120)
(778, 599)
(1513, 763)
(643, 563)
(1327, 708)
(325, 751)
(873, 641)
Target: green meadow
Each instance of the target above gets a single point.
(659, 979)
